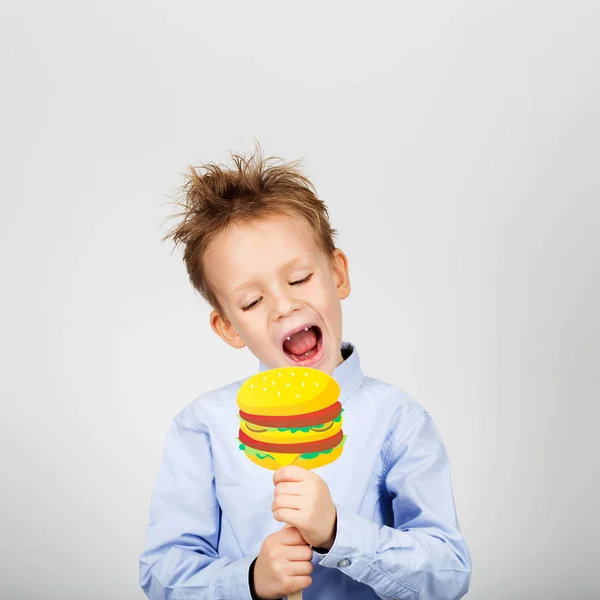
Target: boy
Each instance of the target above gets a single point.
(380, 522)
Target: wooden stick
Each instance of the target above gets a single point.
(295, 595)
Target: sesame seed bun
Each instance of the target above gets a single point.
(287, 391)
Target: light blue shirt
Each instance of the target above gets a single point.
(397, 530)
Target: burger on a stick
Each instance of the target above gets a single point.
(290, 415)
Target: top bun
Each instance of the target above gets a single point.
(287, 391)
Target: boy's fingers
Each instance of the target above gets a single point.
(290, 473)
(299, 582)
(287, 501)
(289, 487)
(287, 515)
(301, 567)
(299, 552)
(290, 536)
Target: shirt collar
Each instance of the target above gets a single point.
(348, 373)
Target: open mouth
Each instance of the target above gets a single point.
(305, 347)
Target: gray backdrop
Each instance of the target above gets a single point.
(457, 145)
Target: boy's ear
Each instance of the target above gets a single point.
(225, 330)
(341, 276)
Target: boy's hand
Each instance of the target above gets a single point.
(302, 499)
(283, 565)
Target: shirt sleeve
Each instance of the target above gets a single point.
(180, 561)
(423, 555)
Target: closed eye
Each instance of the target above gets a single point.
(300, 281)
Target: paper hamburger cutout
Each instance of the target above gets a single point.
(291, 415)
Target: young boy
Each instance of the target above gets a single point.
(380, 521)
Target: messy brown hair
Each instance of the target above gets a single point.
(216, 196)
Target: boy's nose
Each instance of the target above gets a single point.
(284, 305)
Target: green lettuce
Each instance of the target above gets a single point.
(309, 455)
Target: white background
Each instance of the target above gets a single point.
(457, 147)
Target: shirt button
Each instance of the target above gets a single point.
(345, 562)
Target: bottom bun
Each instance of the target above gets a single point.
(281, 460)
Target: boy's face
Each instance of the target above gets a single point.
(272, 279)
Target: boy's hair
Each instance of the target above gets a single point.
(214, 197)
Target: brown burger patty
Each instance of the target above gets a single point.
(314, 418)
(303, 448)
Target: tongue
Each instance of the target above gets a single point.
(301, 342)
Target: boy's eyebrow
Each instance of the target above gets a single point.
(287, 265)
